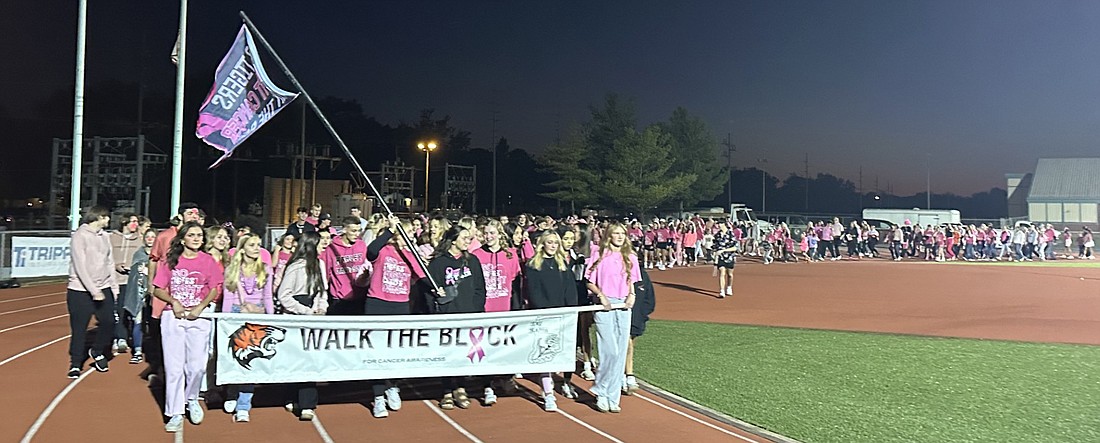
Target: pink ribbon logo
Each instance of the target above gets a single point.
(475, 344)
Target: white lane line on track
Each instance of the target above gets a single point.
(445, 418)
(53, 404)
(32, 323)
(571, 417)
(689, 417)
(30, 297)
(178, 437)
(2, 363)
(33, 308)
(453, 424)
(590, 427)
(321, 428)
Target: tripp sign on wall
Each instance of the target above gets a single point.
(39, 256)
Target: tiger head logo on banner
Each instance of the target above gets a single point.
(253, 341)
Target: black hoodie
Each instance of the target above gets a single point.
(463, 271)
(549, 286)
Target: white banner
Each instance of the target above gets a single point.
(258, 348)
(39, 256)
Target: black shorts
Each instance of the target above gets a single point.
(649, 247)
(726, 263)
(662, 245)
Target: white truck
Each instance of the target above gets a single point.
(915, 216)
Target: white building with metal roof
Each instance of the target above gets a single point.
(1062, 191)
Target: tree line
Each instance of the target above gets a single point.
(609, 161)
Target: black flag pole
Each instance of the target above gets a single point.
(355, 162)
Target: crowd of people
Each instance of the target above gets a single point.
(148, 289)
(667, 243)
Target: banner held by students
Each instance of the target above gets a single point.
(242, 99)
(261, 348)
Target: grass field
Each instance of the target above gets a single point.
(825, 386)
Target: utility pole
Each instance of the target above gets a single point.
(763, 187)
(730, 147)
(928, 181)
(861, 189)
(493, 146)
(806, 171)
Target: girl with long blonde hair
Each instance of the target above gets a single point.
(248, 283)
(611, 277)
(551, 284)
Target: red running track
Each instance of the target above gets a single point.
(118, 406)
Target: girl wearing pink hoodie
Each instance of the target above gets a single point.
(500, 265)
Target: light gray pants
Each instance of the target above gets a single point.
(613, 336)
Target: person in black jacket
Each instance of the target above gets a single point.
(577, 247)
(462, 290)
(644, 305)
(551, 284)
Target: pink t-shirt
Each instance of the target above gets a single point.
(663, 234)
(280, 263)
(500, 271)
(192, 279)
(607, 273)
(393, 275)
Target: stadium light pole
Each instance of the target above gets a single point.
(78, 118)
(427, 147)
(177, 132)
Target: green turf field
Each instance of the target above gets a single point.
(825, 386)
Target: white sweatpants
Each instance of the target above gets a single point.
(186, 346)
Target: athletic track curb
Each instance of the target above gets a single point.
(714, 414)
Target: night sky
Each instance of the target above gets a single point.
(978, 88)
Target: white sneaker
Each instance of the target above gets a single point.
(568, 391)
(602, 404)
(380, 410)
(614, 408)
(631, 385)
(240, 417)
(549, 403)
(119, 346)
(393, 398)
(307, 415)
(490, 397)
(195, 412)
(175, 424)
(587, 374)
(229, 406)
